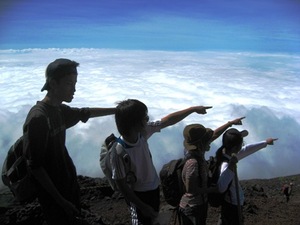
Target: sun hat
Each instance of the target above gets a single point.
(195, 133)
(57, 68)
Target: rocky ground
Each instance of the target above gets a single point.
(265, 205)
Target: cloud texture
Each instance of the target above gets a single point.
(262, 87)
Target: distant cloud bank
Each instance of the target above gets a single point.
(262, 87)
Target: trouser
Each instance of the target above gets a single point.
(230, 214)
(195, 215)
(55, 215)
(151, 198)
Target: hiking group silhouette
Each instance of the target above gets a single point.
(128, 157)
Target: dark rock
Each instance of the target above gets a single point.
(265, 204)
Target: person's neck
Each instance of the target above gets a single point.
(131, 138)
(51, 101)
(198, 153)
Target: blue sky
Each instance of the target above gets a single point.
(243, 25)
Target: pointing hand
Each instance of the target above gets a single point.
(202, 109)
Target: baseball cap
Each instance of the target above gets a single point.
(59, 68)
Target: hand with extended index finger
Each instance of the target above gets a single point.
(270, 141)
(237, 121)
(202, 109)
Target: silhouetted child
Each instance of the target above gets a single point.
(197, 140)
(232, 148)
(142, 193)
(287, 190)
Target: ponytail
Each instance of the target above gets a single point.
(219, 154)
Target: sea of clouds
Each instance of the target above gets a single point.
(263, 87)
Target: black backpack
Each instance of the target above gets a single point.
(16, 173)
(171, 180)
(214, 169)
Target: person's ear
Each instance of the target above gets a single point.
(53, 84)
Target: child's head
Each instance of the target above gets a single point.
(131, 115)
(233, 140)
(58, 69)
(196, 136)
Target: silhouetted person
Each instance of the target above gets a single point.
(194, 202)
(287, 191)
(232, 148)
(44, 143)
(142, 193)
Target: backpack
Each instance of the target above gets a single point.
(171, 181)
(111, 144)
(16, 173)
(215, 199)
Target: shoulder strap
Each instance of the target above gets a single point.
(121, 152)
(42, 108)
(19, 159)
(122, 142)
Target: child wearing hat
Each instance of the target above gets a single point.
(197, 139)
(233, 150)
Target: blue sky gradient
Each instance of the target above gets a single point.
(265, 26)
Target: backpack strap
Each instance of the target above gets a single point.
(122, 142)
(121, 152)
(15, 165)
(40, 108)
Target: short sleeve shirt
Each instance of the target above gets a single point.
(194, 175)
(44, 133)
(141, 161)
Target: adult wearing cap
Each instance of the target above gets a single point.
(233, 150)
(197, 139)
(44, 133)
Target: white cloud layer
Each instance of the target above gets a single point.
(262, 87)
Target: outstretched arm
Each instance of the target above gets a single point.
(252, 148)
(221, 129)
(175, 117)
(96, 112)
